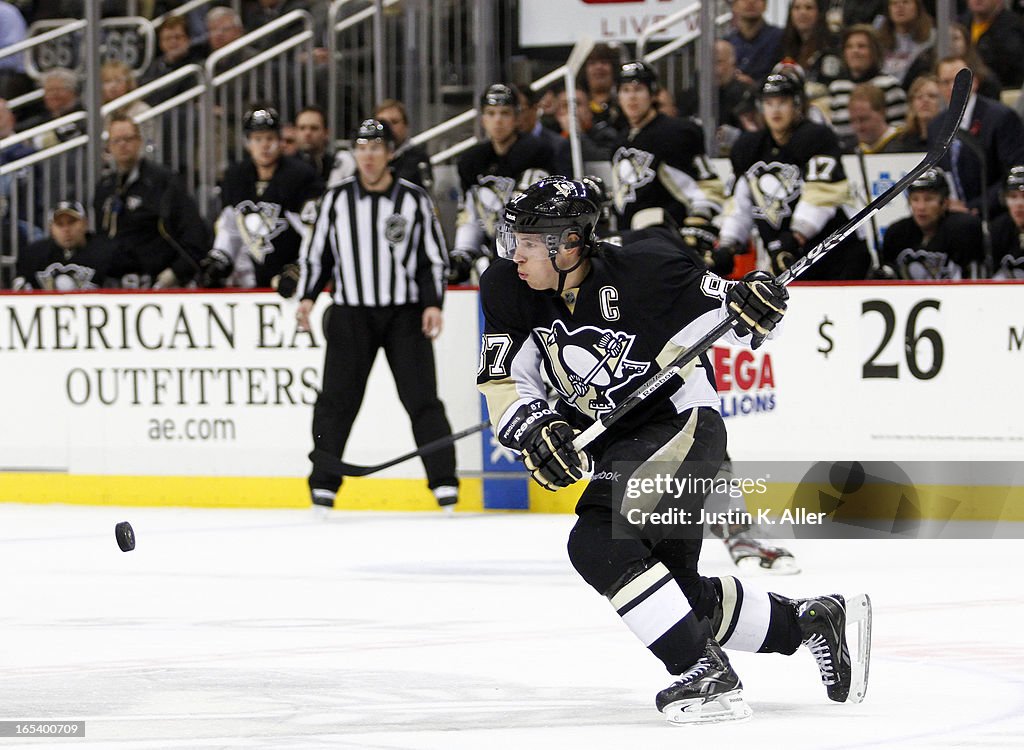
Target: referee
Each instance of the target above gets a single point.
(378, 242)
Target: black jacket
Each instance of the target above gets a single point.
(152, 222)
(46, 265)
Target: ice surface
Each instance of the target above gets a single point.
(268, 629)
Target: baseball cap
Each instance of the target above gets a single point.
(69, 207)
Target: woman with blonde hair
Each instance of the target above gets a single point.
(924, 103)
(117, 79)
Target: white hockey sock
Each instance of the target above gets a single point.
(746, 616)
(651, 603)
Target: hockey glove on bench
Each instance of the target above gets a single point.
(545, 441)
(760, 304)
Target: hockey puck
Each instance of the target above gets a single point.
(125, 536)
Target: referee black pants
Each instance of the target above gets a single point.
(354, 335)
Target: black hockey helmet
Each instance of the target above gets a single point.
(1014, 179)
(374, 130)
(261, 118)
(933, 179)
(556, 208)
(641, 72)
(499, 95)
(786, 79)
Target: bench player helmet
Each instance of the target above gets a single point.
(641, 72)
(499, 95)
(1014, 180)
(786, 80)
(931, 179)
(261, 118)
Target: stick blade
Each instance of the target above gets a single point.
(953, 115)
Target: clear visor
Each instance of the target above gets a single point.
(528, 245)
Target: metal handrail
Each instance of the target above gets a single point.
(21, 101)
(41, 129)
(46, 153)
(146, 89)
(334, 27)
(264, 56)
(663, 24)
(441, 128)
(47, 36)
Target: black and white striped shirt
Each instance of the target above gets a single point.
(377, 249)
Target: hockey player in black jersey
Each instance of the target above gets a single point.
(933, 242)
(1008, 229)
(70, 259)
(269, 201)
(661, 162)
(597, 320)
(489, 174)
(789, 183)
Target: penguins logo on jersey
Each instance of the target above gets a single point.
(631, 170)
(774, 188)
(587, 365)
(1011, 267)
(60, 277)
(395, 227)
(259, 223)
(490, 194)
(918, 264)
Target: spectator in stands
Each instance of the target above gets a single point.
(907, 32)
(924, 103)
(598, 80)
(862, 59)
(548, 106)
(490, 174)
(117, 79)
(529, 124)
(289, 139)
(410, 162)
(314, 140)
(978, 161)
(933, 242)
(8, 123)
(223, 26)
(1008, 229)
(70, 259)
(758, 44)
(867, 119)
(598, 141)
(960, 45)
(13, 81)
(998, 35)
(844, 13)
(736, 98)
(60, 97)
(807, 40)
(25, 232)
(154, 225)
(176, 50)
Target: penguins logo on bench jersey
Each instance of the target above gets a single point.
(258, 224)
(631, 170)
(775, 188)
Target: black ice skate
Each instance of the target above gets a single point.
(753, 555)
(709, 691)
(823, 622)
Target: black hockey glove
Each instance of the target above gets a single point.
(460, 265)
(783, 251)
(213, 270)
(288, 281)
(760, 303)
(549, 455)
(545, 441)
(699, 235)
(883, 273)
(722, 259)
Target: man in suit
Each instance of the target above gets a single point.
(993, 131)
(998, 35)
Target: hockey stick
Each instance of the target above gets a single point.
(957, 105)
(334, 465)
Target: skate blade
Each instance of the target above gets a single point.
(783, 566)
(858, 613)
(321, 512)
(725, 707)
